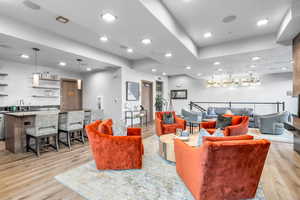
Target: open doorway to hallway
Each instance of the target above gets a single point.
(147, 98)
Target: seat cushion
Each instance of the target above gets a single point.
(211, 130)
(169, 128)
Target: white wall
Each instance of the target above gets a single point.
(106, 84)
(273, 88)
(129, 74)
(19, 82)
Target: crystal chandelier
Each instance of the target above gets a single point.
(230, 80)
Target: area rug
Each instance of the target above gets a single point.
(157, 180)
(286, 137)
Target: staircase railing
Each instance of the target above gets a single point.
(194, 105)
(280, 106)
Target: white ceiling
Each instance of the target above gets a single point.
(198, 17)
(135, 22)
(11, 49)
(272, 61)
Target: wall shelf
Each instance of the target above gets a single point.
(41, 96)
(3, 84)
(3, 95)
(3, 74)
(46, 87)
(49, 79)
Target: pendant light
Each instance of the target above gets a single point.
(36, 75)
(79, 81)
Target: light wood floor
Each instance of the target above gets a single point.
(24, 176)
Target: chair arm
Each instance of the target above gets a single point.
(181, 122)
(239, 129)
(134, 131)
(158, 127)
(229, 138)
(189, 165)
(208, 125)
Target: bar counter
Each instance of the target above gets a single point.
(15, 125)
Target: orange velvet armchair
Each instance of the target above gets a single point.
(224, 168)
(115, 152)
(239, 126)
(162, 128)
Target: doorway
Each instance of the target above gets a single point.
(71, 96)
(147, 98)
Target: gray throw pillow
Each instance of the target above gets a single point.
(202, 133)
(222, 121)
(212, 111)
(168, 118)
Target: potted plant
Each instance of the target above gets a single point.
(159, 103)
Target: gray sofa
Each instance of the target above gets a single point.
(191, 115)
(267, 123)
(213, 112)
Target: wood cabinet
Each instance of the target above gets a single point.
(296, 66)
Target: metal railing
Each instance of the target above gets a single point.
(280, 106)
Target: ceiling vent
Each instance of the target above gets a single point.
(229, 19)
(31, 5)
(4, 46)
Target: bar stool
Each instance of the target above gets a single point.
(71, 123)
(45, 126)
(97, 115)
(87, 121)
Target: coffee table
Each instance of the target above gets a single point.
(209, 120)
(166, 145)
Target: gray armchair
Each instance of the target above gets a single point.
(267, 123)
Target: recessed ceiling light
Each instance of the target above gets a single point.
(62, 64)
(154, 70)
(129, 50)
(199, 74)
(168, 55)
(146, 41)
(188, 67)
(25, 56)
(62, 19)
(217, 63)
(207, 35)
(103, 39)
(252, 66)
(262, 22)
(88, 69)
(220, 69)
(255, 58)
(164, 73)
(283, 68)
(108, 17)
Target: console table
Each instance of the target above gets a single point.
(295, 126)
(132, 116)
